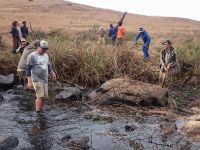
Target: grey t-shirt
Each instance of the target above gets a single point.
(39, 66)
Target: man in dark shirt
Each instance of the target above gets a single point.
(16, 35)
(24, 30)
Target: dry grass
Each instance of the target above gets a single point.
(74, 51)
(8, 61)
(48, 15)
(78, 58)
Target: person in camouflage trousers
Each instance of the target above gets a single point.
(169, 66)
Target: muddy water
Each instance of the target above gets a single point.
(64, 126)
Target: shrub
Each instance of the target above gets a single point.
(78, 58)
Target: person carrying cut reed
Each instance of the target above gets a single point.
(120, 33)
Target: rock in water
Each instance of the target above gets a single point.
(66, 138)
(73, 93)
(1, 98)
(7, 143)
(129, 92)
(192, 127)
(76, 143)
(130, 128)
(7, 82)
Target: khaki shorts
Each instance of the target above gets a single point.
(41, 89)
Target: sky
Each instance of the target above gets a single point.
(168, 8)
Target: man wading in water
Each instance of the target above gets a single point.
(38, 67)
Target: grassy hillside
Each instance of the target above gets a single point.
(48, 15)
(57, 14)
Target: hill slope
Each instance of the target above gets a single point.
(57, 14)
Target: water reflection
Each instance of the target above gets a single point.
(47, 130)
(38, 133)
(28, 101)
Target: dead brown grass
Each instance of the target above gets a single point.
(48, 15)
(95, 63)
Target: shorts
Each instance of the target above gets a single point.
(41, 89)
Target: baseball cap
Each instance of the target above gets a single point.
(43, 44)
(141, 29)
(166, 42)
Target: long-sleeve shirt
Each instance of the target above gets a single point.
(38, 67)
(24, 31)
(145, 37)
(113, 32)
(15, 32)
(168, 57)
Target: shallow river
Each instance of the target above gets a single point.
(64, 126)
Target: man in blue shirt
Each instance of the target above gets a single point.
(113, 33)
(146, 39)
